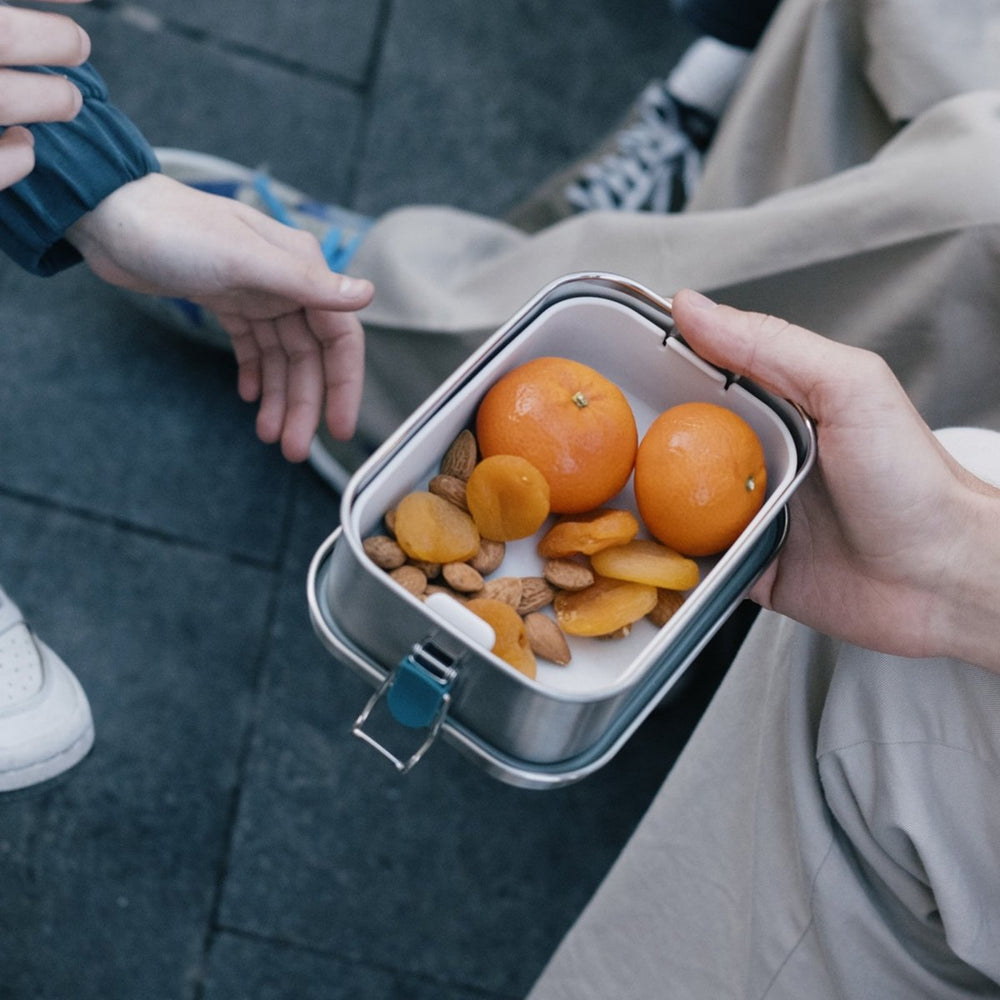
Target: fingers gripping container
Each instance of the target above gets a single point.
(429, 661)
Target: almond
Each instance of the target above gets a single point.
(451, 488)
(567, 574)
(383, 551)
(430, 569)
(503, 588)
(546, 638)
(460, 458)
(390, 521)
(489, 557)
(462, 577)
(667, 604)
(536, 593)
(410, 578)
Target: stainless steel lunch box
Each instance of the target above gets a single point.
(429, 661)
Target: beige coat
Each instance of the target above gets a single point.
(818, 204)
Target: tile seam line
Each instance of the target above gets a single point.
(402, 976)
(243, 49)
(131, 527)
(241, 768)
(366, 94)
(261, 682)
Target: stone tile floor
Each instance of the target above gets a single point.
(227, 838)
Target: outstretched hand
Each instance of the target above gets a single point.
(30, 38)
(298, 345)
(892, 545)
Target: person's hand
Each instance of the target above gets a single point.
(35, 38)
(892, 545)
(290, 319)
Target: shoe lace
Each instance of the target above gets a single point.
(655, 166)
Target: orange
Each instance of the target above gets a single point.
(570, 422)
(699, 477)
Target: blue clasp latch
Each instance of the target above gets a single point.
(418, 695)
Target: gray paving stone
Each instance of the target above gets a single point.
(189, 92)
(248, 967)
(110, 873)
(228, 837)
(334, 38)
(478, 103)
(444, 873)
(104, 411)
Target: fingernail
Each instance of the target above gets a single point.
(698, 301)
(354, 287)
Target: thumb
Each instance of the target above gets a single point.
(786, 359)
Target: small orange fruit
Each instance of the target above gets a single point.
(699, 477)
(573, 424)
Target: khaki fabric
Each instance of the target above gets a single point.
(831, 829)
(816, 205)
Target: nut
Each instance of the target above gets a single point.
(410, 578)
(489, 557)
(390, 521)
(462, 577)
(383, 551)
(430, 569)
(567, 574)
(546, 638)
(460, 458)
(451, 488)
(503, 588)
(667, 604)
(536, 593)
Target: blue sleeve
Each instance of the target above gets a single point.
(77, 165)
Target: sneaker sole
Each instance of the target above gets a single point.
(44, 770)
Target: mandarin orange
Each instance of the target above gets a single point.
(700, 477)
(573, 424)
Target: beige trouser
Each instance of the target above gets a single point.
(831, 830)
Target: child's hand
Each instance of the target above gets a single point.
(29, 38)
(290, 318)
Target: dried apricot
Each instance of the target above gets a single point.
(645, 561)
(507, 497)
(588, 533)
(605, 606)
(431, 529)
(511, 645)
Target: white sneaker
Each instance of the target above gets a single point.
(45, 721)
